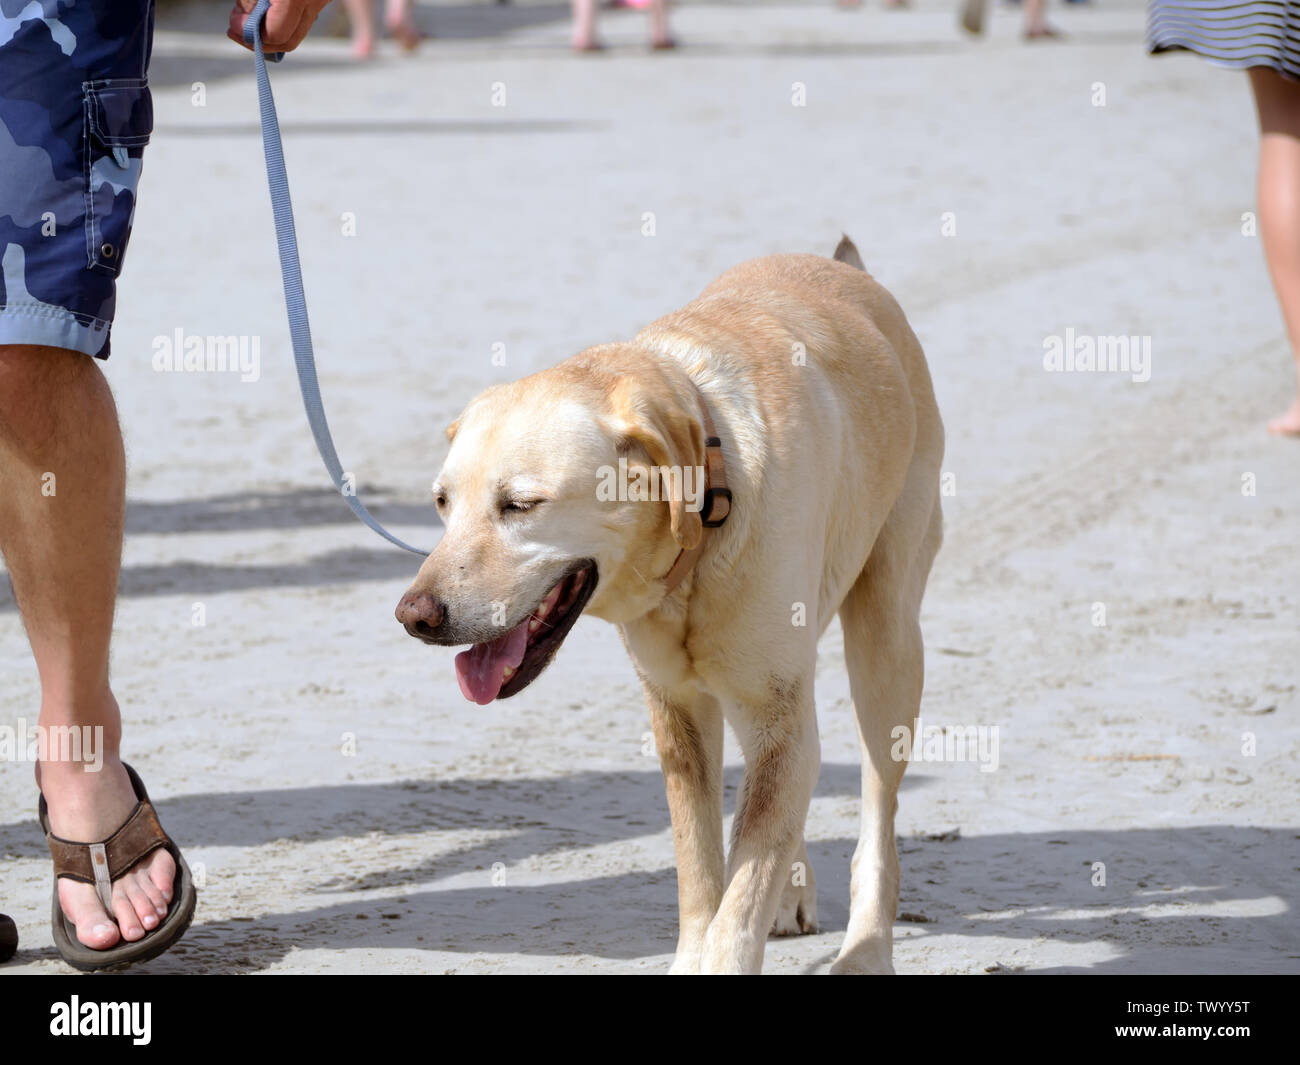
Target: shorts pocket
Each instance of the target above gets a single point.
(118, 124)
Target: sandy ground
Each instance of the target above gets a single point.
(532, 836)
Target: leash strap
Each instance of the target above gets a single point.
(295, 300)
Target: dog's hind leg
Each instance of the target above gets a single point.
(688, 738)
(885, 657)
(797, 912)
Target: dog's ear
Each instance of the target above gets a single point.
(451, 430)
(847, 252)
(668, 430)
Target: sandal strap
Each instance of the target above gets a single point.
(102, 863)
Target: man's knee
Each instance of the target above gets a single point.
(41, 387)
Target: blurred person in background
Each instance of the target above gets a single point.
(397, 20)
(584, 25)
(970, 16)
(1261, 37)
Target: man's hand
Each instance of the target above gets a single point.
(287, 22)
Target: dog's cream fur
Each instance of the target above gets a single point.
(833, 444)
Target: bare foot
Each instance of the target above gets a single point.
(90, 807)
(405, 34)
(1042, 32)
(663, 44)
(363, 47)
(588, 44)
(1287, 424)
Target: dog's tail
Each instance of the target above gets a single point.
(847, 252)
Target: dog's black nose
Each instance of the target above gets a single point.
(420, 615)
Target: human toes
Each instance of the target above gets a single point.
(162, 874)
(82, 907)
(146, 911)
(152, 892)
(128, 921)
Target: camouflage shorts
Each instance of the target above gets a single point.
(75, 115)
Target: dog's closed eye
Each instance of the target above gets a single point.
(520, 506)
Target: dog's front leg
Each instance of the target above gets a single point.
(688, 735)
(782, 756)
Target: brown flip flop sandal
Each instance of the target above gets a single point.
(8, 938)
(100, 864)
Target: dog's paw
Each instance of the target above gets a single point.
(843, 967)
(685, 964)
(798, 918)
(867, 959)
(797, 913)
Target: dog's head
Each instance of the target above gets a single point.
(554, 502)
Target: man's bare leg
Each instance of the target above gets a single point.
(62, 496)
(1277, 100)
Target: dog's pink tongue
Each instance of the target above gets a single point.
(481, 669)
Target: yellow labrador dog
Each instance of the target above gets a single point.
(718, 488)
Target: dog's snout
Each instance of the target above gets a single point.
(420, 615)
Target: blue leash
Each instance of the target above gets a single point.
(295, 299)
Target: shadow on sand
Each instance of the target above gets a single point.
(293, 510)
(1019, 886)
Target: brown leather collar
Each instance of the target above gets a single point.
(716, 506)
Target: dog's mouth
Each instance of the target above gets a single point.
(506, 666)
